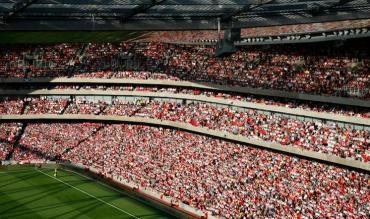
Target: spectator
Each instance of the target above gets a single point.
(227, 179)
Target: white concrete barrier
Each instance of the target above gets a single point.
(200, 130)
(203, 98)
(210, 86)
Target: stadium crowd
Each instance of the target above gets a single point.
(10, 105)
(45, 105)
(227, 179)
(37, 60)
(61, 137)
(287, 68)
(282, 102)
(315, 69)
(314, 135)
(8, 133)
(202, 35)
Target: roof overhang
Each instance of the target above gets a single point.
(137, 15)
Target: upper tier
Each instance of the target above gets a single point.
(315, 69)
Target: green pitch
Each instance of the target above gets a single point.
(34, 193)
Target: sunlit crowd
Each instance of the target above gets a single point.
(314, 135)
(227, 179)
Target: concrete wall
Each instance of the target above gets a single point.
(200, 130)
(233, 103)
(245, 90)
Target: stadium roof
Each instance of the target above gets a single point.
(172, 14)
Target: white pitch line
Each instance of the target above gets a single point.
(86, 193)
(103, 184)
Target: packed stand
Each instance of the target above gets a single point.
(304, 28)
(37, 60)
(317, 69)
(8, 134)
(182, 36)
(45, 105)
(25, 155)
(211, 35)
(310, 135)
(5, 103)
(9, 58)
(229, 180)
(59, 138)
(83, 106)
(100, 57)
(9, 105)
(315, 135)
(321, 68)
(281, 102)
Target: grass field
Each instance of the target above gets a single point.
(34, 193)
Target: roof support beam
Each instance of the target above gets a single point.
(17, 7)
(245, 8)
(140, 9)
(339, 3)
(320, 9)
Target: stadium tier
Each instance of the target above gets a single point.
(314, 69)
(228, 179)
(315, 135)
(154, 118)
(286, 30)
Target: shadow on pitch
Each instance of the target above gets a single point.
(35, 197)
(27, 211)
(23, 177)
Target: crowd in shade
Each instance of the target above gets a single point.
(202, 35)
(61, 138)
(305, 28)
(316, 69)
(45, 105)
(183, 36)
(9, 105)
(242, 98)
(8, 133)
(288, 68)
(37, 60)
(227, 179)
(316, 135)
